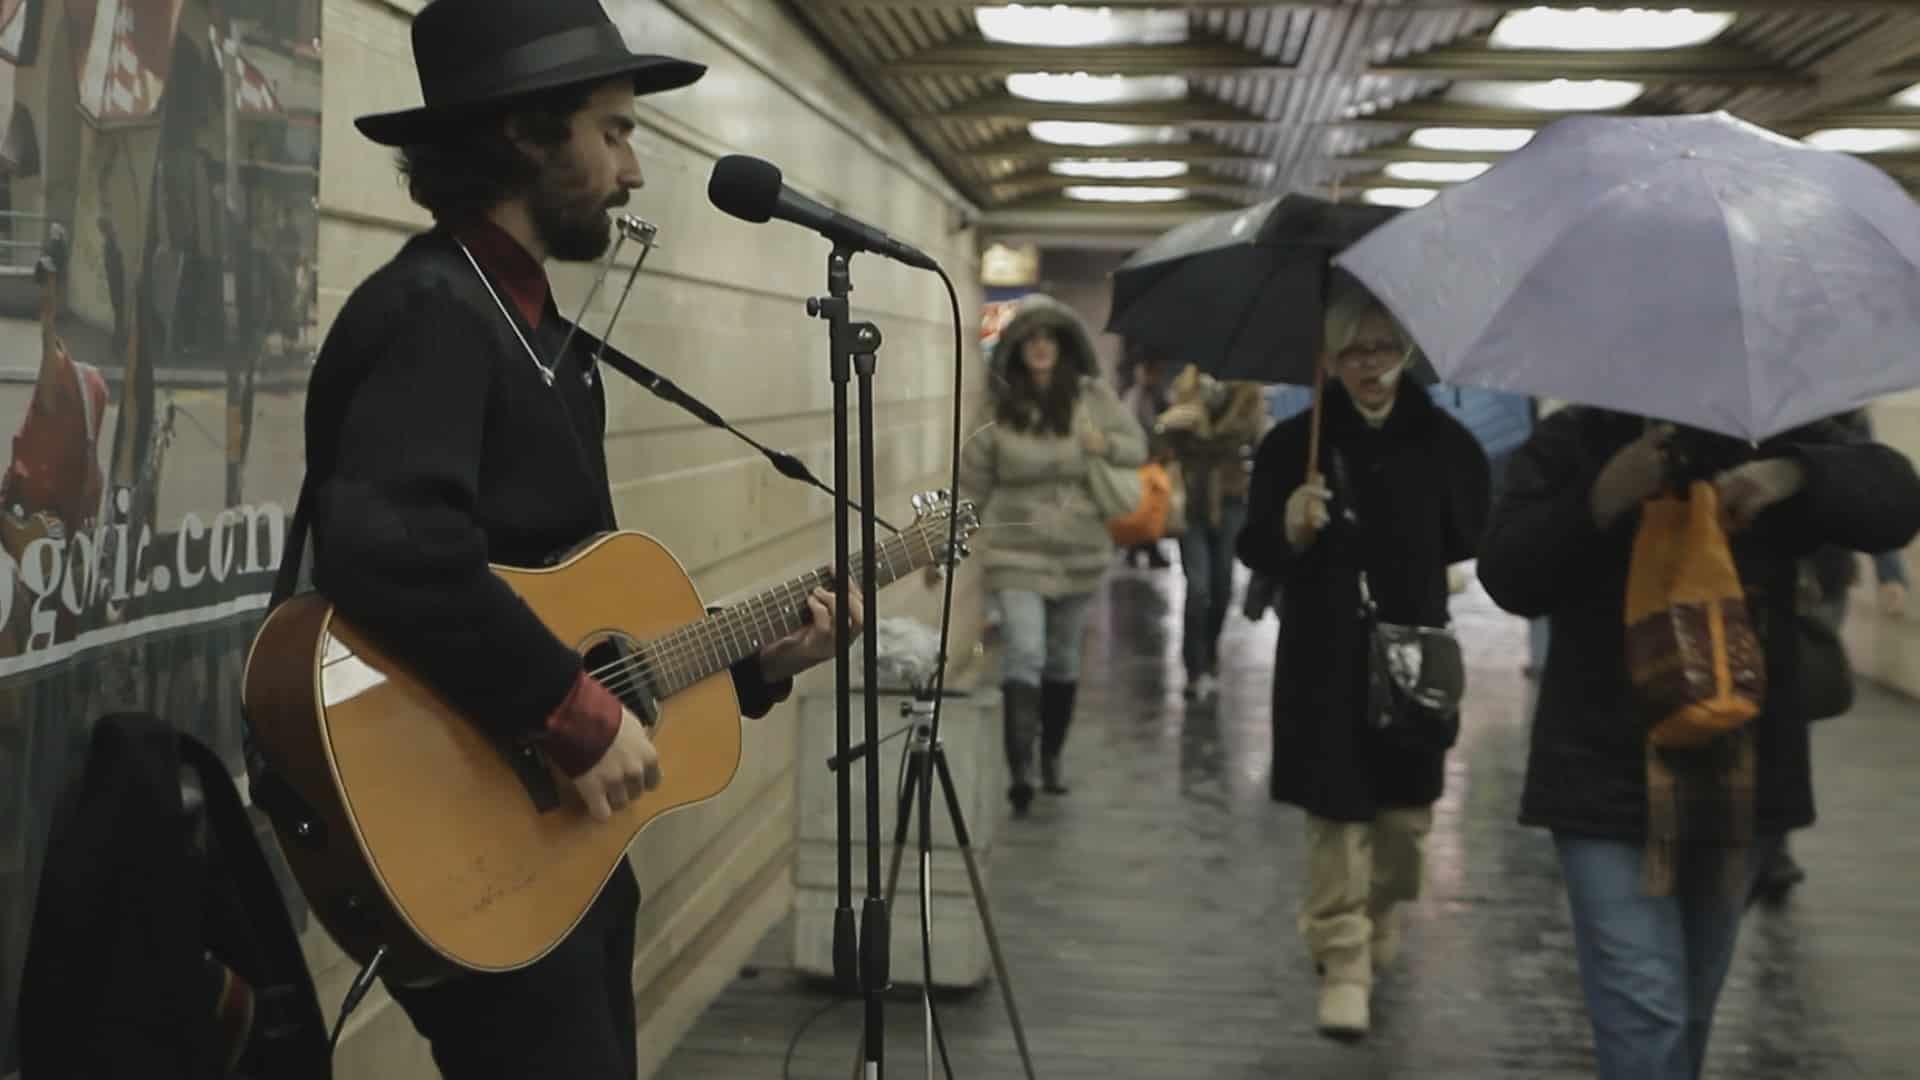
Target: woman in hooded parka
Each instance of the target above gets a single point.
(1044, 544)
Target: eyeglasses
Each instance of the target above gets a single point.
(1365, 353)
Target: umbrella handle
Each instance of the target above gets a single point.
(1313, 438)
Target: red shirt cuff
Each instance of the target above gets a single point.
(581, 729)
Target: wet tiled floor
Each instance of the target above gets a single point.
(1148, 916)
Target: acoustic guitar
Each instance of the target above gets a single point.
(408, 827)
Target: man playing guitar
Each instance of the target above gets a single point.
(446, 429)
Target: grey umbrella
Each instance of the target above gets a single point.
(1698, 269)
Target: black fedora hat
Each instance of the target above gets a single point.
(478, 52)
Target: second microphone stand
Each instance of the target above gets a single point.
(853, 346)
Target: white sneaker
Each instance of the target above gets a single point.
(1203, 687)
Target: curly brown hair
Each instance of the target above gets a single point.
(473, 164)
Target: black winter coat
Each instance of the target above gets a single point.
(1544, 556)
(435, 447)
(1420, 487)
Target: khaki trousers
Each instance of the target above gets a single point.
(1356, 873)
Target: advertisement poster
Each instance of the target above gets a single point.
(159, 174)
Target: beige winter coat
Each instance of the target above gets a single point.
(1039, 529)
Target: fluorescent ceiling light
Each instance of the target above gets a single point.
(1590, 28)
(1119, 170)
(1864, 140)
(1093, 193)
(1398, 196)
(1910, 97)
(1471, 140)
(1436, 171)
(1060, 25)
(1095, 133)
(1081, 88)
(1557, 95)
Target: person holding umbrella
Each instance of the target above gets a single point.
(1614, 263)
(1409, 493)
(1560, 544)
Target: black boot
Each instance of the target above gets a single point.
(1056, 715)
(1020, 727)
(1778, 877)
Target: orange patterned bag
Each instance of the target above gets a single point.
(1147, 521)
(1693, 658)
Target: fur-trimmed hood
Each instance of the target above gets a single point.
(1037, 312)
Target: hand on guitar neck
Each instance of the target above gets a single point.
(630, 767)
(813, 643)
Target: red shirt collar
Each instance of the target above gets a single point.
(511, 266)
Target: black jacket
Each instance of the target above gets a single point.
(1419, 485)
(436, 447)
(1544, 556)
(155, 880)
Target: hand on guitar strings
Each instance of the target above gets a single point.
(813, 643)
(629, 769)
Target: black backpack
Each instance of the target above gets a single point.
(160, 944)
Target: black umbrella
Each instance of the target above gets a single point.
(1241, 294)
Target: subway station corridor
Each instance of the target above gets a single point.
(1148, 916)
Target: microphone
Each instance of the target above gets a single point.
(752, 190)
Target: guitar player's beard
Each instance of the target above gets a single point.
(575, 226)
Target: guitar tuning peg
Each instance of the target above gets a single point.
(919, 504)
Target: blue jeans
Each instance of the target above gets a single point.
(1206, 557)
(1042, 635)
(1651, 966)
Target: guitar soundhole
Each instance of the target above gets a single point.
(614, 659)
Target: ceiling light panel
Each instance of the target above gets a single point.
(1403, 197)
(1095, 133)
(1080, 88)
(1119, 170)
(1096, 193)
(1060, 26)
(1611, 30)
(1439, 172)
(1554, 95)
(1471, 140)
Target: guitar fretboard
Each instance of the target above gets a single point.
(700, 649)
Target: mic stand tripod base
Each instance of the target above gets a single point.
(926, 761)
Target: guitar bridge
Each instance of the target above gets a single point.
(535, 776)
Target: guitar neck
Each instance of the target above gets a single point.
(714, 644)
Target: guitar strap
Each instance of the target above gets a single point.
(663, 388)
(293, 560)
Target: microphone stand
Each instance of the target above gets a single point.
(852, 348)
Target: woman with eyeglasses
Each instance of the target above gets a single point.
(1402, 494)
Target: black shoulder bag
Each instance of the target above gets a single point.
(1415, 674)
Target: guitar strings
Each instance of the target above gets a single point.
(713, 638)
(685, 647)
(680, 651)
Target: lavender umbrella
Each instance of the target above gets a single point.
(1697, 269)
